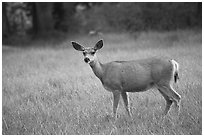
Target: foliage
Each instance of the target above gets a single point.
(42, 19)
(145, 16)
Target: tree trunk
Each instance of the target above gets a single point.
(42, 17)
(5, 22)
(69, 9)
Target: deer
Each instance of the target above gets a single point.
(122, 77)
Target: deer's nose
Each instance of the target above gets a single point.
(86, 60)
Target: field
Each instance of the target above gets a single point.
(48, 89)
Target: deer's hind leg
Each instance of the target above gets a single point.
(176, 97)
(168, 101)
(170, 96)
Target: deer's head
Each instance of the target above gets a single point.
(88, 52)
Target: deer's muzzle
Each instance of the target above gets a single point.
(87, 60)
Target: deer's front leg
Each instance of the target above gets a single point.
(116, 98)
(125, 99)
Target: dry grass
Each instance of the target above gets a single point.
(52, 91)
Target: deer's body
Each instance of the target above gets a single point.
(121, 77)
(134, 76)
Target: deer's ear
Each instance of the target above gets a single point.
(99, 45)
(77, 46)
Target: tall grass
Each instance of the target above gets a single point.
(52, 91)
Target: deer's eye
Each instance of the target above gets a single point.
(92, 53)
(84, 53)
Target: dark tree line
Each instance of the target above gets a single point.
(146, 16)
(42, 18)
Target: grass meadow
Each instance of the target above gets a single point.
(48, 89)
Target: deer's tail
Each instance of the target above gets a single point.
(175, 70)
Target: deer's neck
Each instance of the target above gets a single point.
(97, 68)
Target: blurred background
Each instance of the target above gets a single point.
(27, 21)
